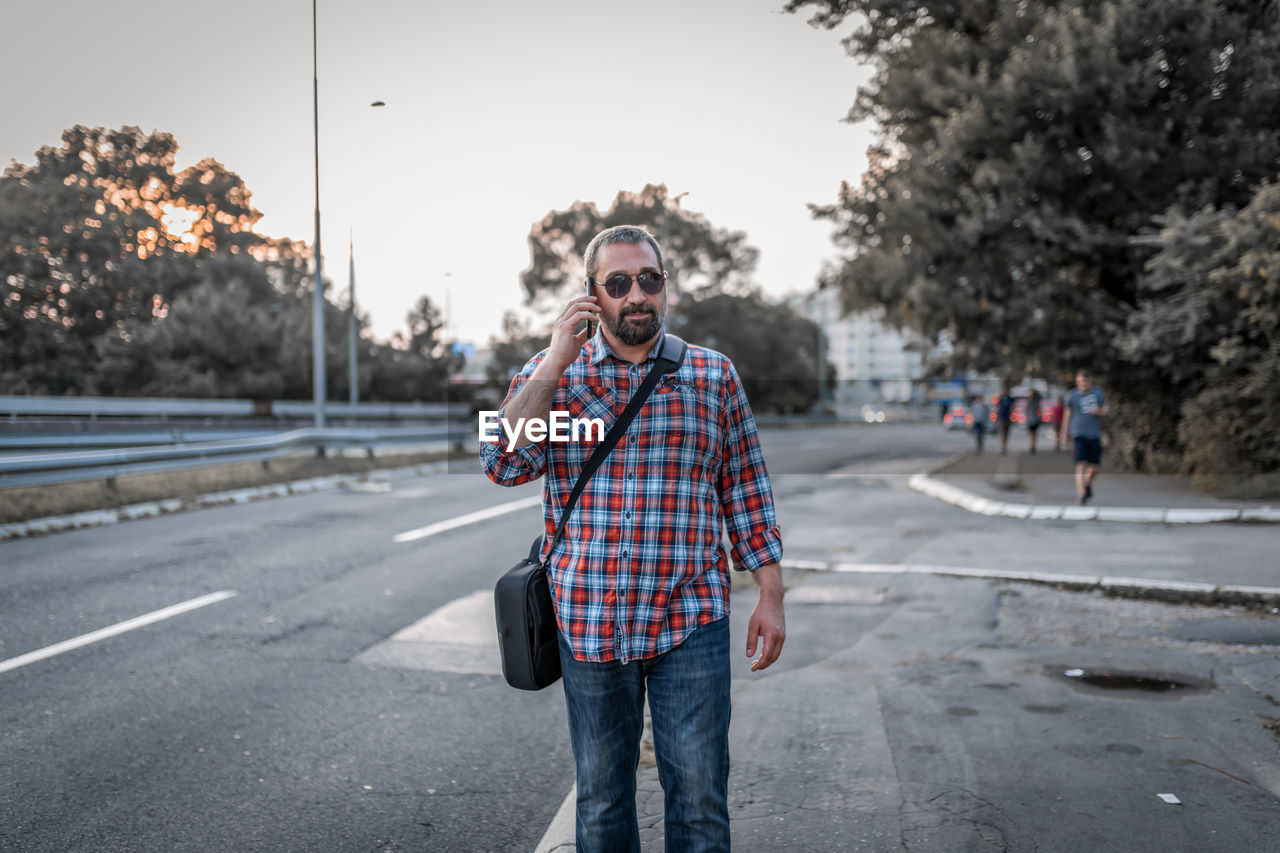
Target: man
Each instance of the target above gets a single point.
(1081, 422)
(640, 578)
(1033, 417)
(1004, 417)
(981, 413)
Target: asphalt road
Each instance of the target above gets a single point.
(289, 717)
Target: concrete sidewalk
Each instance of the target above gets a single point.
(914, 712)
(1042, 486)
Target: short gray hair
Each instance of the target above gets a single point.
(632, 234)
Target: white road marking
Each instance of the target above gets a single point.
(113, 630)
(460, 637)
(469, 518)
(559, 836)
(1150, 559)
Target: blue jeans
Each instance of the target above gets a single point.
(689, 703)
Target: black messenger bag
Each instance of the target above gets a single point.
(527, 632)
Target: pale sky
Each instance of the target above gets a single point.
(496, 113)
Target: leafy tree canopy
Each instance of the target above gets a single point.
(774, 348)
(716, 305)
(1208, 330)
(124, 276)
(1027, 147)
(700, 258)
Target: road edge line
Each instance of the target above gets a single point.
(151, 509)
(561, 834)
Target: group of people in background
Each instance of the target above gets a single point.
(1076, 417)
(1038, 411)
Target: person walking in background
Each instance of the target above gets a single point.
(1004, 417)
(981, 419)
(1033, 417)
(1085, 406)
(1055, 421)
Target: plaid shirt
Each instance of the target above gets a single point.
(641, 563)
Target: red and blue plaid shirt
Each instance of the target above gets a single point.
(641, 563)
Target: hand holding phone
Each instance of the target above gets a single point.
(573, 329)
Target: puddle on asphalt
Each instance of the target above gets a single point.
(1131, 683)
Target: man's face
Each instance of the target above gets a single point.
(636, 316)
(1083, 382)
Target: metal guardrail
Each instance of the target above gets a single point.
(47, 468)
(46, 440)
(82, 440)
(178, 407)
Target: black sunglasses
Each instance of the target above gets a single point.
(619, 285)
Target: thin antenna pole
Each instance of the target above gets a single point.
(317, 301)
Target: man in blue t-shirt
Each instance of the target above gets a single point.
(1084, 407)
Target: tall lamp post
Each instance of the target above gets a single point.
(317, 301)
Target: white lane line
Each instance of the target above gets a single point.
(113, 630)
(559, 837)
(469, 518)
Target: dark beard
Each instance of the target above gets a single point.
(634, 335)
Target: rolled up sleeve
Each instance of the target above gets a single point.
(511, 468)
(746, 495)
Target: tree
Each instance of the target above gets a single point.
(100, 231)
(773, 347)
(416, 366)
(220, 338)
(1024, 145)
(1208, 328)
(510, 350)
(701, 259)
(126, 277)
(716, 304)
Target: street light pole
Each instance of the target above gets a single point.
(317, 302)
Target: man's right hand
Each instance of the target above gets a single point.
(535, 398)
(565, 342)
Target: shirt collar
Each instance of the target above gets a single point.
(601, 349)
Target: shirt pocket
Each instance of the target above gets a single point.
(593, 404)
(685, 422)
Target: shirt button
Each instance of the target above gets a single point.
(631, 476)
(628, 515)
(633, 438)
(624, 555)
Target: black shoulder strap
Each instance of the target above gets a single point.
(669, 359)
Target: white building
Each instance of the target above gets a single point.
(874, 363)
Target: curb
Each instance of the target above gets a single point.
(1176, 592)
(966, 500)
(100, 517)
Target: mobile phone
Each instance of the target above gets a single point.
(589, 326)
